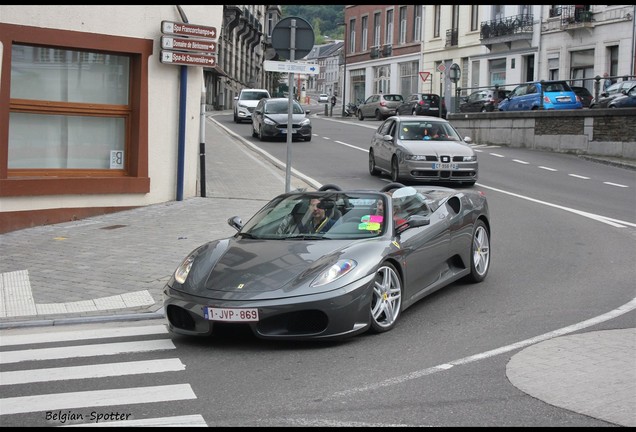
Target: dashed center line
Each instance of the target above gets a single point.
(579, 176)
(547, 168)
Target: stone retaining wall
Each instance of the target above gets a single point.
(594, 132)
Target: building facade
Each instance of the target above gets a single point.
(387, 46)
(93, 120)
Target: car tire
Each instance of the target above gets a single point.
(360, 116)
(373, 170)
(261, 137)
(378, 115)
(254, 134)
(414, 112)
(308, 138)
(483, 109)
(469, 183)
(479, 253)
(236, 119)
(386, 301)
(395, 170)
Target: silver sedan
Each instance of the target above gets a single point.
(418, 148)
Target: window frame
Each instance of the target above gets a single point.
(43, 182)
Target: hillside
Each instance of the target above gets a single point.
(324, 19)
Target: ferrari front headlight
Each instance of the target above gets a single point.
(336, 271)
(181, 273)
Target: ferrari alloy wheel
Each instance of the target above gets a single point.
(386, 303)
(373, 170)
(395, 170)
(480, 253)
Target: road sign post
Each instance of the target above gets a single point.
(187, 45)
(292, 38)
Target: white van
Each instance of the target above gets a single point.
(245, 103)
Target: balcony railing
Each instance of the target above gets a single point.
(452, 37)
(575, 17)
(507, 26)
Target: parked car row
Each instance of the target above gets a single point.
(486, 100)
(616, 96)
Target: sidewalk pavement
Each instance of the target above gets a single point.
(114, 267)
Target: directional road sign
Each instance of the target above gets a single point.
(169, 27)
(191, 59)
(188, 44)
(291, 67)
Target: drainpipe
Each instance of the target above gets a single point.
(182, 116)
(633, 39)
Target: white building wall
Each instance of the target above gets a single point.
(163, 95)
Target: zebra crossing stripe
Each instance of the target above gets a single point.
(176, 421)
(90, 371)
(64, 336)
(95, 398)
(85, 351)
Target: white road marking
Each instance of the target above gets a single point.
(95, 398)
(610, 221)
(176, 421)
(445, 366)
(85, 351)
(615, 184)
(64, 336)
(90, 371)
(497, 155)
(352, 146)
(579, 176)
(546, 168)
(521, 162)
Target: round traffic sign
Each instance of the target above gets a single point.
(455, 72)
(303, 42)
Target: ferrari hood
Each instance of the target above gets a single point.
(251, 266)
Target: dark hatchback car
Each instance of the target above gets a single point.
(584, 94)
(427, 104)
(615, 90)
(626, 100)
(483, 100)
(270, 117)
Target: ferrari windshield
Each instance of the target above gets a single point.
(320, 215)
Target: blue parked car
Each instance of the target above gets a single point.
(556, 95)
(626, 100)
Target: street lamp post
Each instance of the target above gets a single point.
(344, 74)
